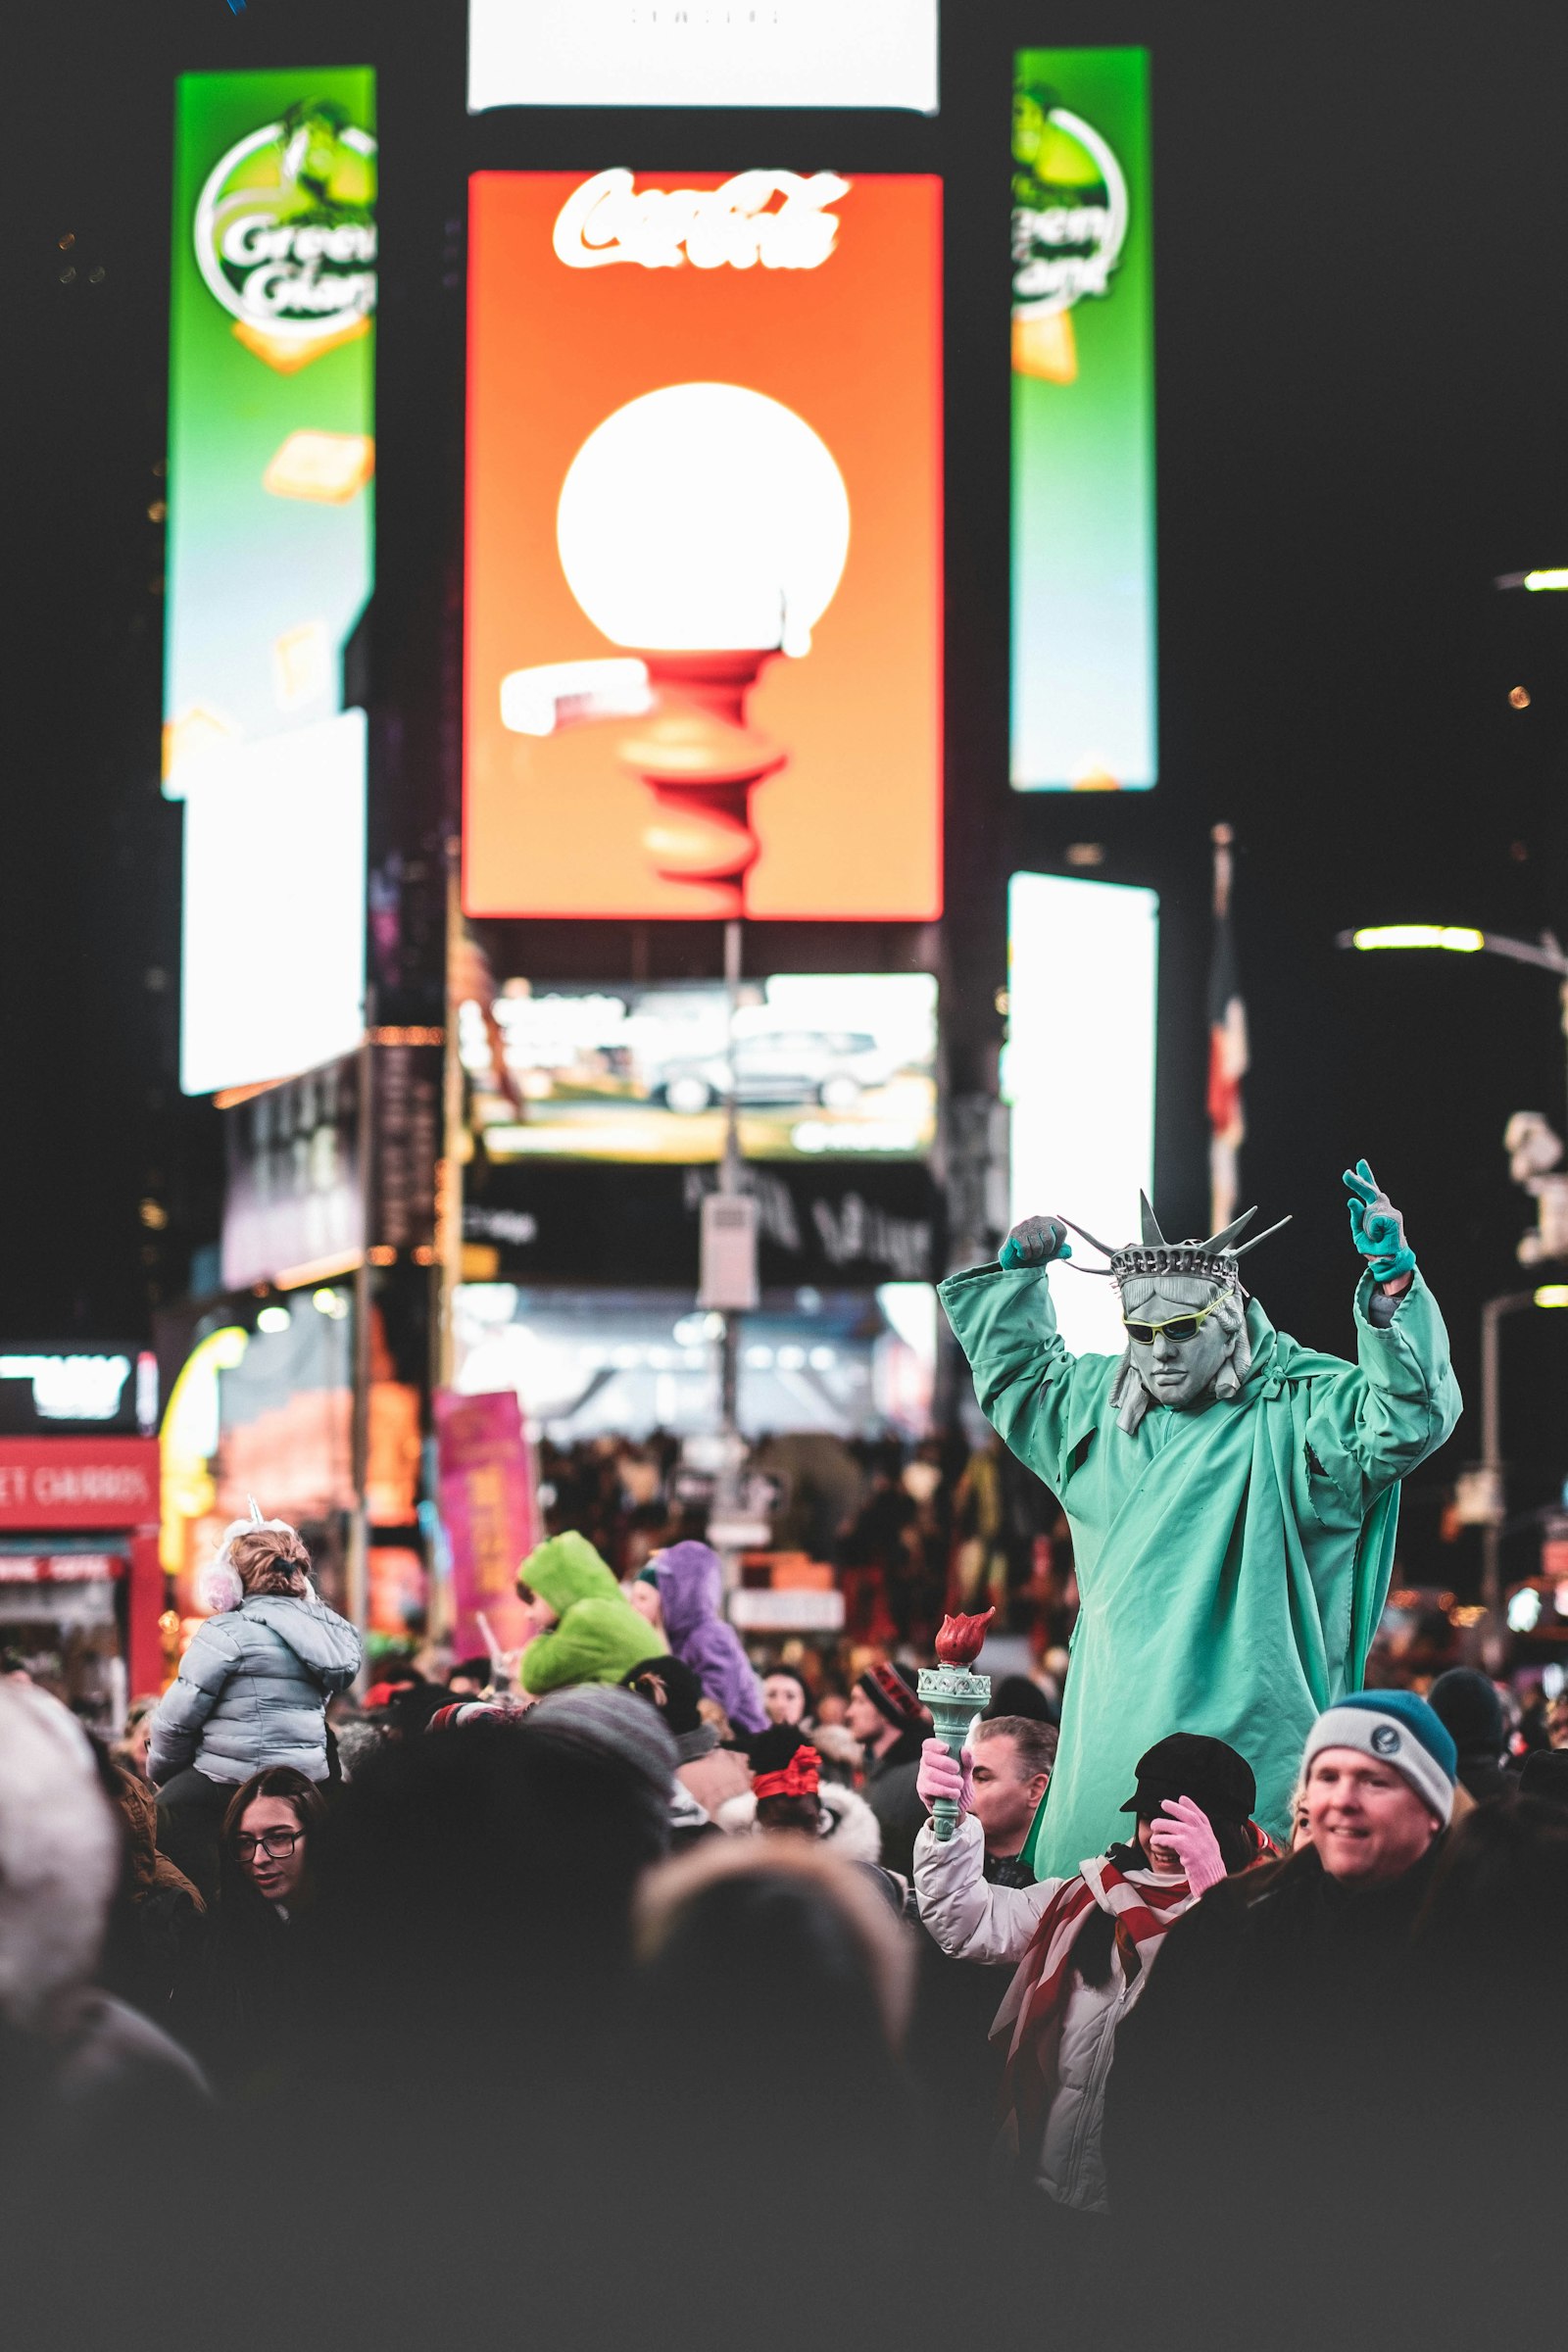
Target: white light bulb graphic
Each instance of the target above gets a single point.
(704, 517)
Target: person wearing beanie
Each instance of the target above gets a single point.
(1244, 2103)
(887, 1718)
(788, 1794)
(706, 1772)
(1468, 1703)
(691, 1591)
(583, 1628)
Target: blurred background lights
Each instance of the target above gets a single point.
(703, 519)
(1524, 1611)
(273, 1318)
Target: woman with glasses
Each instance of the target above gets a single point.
(244, 2005)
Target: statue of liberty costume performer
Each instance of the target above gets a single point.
(1232, 1495)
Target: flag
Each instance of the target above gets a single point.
(1227, 1046)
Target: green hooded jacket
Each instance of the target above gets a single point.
(600, 1634)
(1232, 1562)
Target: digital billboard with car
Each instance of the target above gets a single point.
(704, 603)
(822, 1065)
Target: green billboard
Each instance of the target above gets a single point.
(1083, 423)
(271, 404)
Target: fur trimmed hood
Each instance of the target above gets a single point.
(846, 1826)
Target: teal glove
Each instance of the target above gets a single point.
(1377, 1227)
(1034, 1243)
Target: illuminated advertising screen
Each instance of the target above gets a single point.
(1083, 423)
(626, 53)
(270, 403)
(820, 1065)
(703, 546)
(274, 825)
(1079, 1074)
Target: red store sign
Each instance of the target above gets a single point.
(78, 1481)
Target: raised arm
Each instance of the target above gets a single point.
(968, 1918)
(1003, 1320)
(1376, 1425)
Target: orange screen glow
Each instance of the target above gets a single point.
(733, 703)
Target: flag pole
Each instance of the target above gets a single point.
(1227, 1043)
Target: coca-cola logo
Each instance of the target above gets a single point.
(775, 220)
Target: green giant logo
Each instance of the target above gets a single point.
(285, 232)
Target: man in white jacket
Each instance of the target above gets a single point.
(1084, 1944)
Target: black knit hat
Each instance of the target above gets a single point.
(894, 1696)
(670, 1685)
(1186, 1764)
(1467, 1703)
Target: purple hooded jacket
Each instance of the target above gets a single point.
(690, 1585)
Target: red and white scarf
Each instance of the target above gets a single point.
(1145, 1906)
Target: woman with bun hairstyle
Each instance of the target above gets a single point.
(251, 1692)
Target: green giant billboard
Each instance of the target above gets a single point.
(271, 404)
(1083, 422)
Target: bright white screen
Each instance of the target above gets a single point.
(1080, 1074)
(628, 53)
(273, 966)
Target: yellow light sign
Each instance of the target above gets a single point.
(1552, 1294)
(1547, 579)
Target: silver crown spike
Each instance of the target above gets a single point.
(256, 1511)
(1265, 1235)
(1153, 1238)
(1227, 1239)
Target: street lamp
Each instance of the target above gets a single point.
(1544, 954)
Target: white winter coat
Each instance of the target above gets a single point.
(973, 1921)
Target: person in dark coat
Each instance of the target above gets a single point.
(1238, 2116)
(241, 2007)
(887, 1718)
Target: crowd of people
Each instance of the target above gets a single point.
(646, 1999)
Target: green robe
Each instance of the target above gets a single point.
(1232, 1561)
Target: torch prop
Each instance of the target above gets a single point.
(954, 1698)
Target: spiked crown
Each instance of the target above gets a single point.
(1214, 1260)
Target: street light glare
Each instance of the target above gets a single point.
(1552, 1294)
(1452, 936)
(1547, 579)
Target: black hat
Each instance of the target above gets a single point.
(670, 1685)
(1545, 1774)
(1186, 1764)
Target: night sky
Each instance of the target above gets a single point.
(1361, 234)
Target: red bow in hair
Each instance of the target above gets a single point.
(801, 1777)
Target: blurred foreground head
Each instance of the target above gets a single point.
(476, 1885)
(772, 1956)
(59, 1856)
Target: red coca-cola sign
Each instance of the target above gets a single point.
(78, 1481)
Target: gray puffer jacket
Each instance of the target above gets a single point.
(252, 1690)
